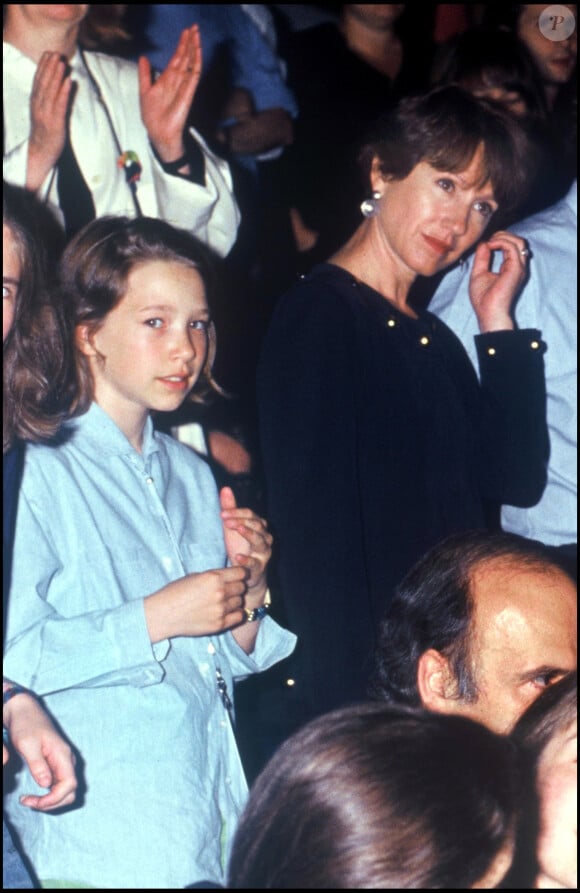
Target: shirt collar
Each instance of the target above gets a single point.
(13, 56)
(98, 428)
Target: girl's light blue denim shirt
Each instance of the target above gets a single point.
(100, 527)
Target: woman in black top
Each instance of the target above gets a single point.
(378, 440)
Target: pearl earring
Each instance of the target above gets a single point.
(370, 206)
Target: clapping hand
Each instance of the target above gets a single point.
(166, 100)
(49, 100)
(248, 542)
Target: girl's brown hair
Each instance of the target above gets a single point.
(38, 375)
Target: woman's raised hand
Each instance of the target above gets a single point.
(166, 100)
(492, 294)
(51, 90)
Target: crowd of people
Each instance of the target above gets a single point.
(289, 541)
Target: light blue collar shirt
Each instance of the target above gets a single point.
(548, 302)
(99, 528)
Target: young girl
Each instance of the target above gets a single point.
(34, 368)
(131, 624)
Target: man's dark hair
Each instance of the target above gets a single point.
(432, 608)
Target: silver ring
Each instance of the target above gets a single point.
(524, 252)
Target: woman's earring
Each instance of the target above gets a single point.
(370, 206)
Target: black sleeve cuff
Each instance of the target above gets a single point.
(193, 156)
(508, 347)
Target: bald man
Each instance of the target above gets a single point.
(480, 626)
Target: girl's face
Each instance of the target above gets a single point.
(430, 218)
(558, 789)
(11, 268)
(152, 346)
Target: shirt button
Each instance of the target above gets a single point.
(391, 323)
(424, 340)
(149, 480)
(491, 351)
(534, 345)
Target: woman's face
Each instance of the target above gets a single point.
(11, 268)
(40, 15)
(557, 787)
(426, 221)
(555, 59)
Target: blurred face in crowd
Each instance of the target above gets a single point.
(512, 100)
(555, 59)
(375, 15)
(524, 638)
(38, 13)
(427, 220)
(558, 789)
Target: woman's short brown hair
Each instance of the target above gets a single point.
(445, 127)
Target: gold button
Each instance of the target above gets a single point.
(290, 682)
(424, 340)
(491, 351)
(534, 345)
(391, 323)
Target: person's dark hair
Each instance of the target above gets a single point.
(37, 376)
(373, 796)
(94, 270)
(483, 58)
(103, 27)
(433, 607)
(445, 127)
(551, 714)
(506, 15)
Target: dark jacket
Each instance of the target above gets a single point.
(378, 441)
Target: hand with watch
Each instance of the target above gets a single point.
(49, 758)
(248, 544)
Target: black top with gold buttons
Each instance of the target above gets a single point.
(378, 441)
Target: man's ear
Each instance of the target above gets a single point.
(436, 682)
(83, 340)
